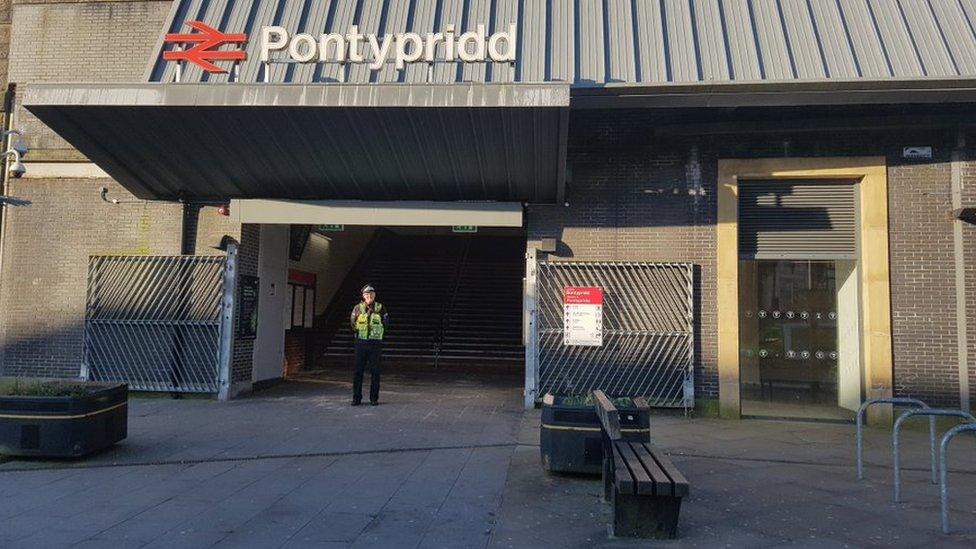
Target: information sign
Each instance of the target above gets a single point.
(583, 316)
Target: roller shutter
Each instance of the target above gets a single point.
(798, 219)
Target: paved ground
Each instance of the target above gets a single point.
(453, 462)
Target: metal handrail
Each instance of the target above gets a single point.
(445, 319)
(944, 471)
(895, 444)
(893, 401)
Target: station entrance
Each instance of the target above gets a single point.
(454, 296)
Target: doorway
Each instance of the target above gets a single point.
(799, 338)
(455, 300)
(791, 234)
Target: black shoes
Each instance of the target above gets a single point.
(374, 403)
(356, 402)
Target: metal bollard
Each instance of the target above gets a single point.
(944, 469)
(895, 445)
(894, 401)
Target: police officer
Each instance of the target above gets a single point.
(369, 321)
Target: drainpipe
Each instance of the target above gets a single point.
(8, 109)
(8, 105)
(962, 338)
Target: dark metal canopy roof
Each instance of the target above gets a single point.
(363, 142)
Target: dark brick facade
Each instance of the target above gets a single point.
(242, 364)
(639, 194)
(642, 189)
(45, 264)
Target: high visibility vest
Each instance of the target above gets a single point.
(369, 326)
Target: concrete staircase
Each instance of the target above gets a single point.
(453, 301)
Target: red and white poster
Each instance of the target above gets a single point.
(583, 316)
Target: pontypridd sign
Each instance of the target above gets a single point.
(206, 45)
(405, 47)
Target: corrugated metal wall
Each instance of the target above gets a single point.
(595, 42)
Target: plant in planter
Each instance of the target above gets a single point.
(569, 435)
(61, 418)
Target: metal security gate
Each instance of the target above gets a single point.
(154, 322)
(648, 332)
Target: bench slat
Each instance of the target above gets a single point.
(621, 474)
(679, 480)
(607, 412)
(645, 484)
(662, 483)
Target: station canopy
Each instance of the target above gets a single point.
(375, 99)
(352, 142)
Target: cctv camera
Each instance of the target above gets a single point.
(17, 170)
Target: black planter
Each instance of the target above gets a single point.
(570, 435)
(64, 426)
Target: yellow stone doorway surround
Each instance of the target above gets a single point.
(870, 172)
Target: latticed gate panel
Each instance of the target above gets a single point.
(648, 331)
(154, 322)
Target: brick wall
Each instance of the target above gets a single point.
(76, 41)
(242, 365)
(42, 293)
(639, 196)
(5, 13)
(923, 299)
(643, 203)
(45, 262)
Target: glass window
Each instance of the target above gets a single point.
(791, 348)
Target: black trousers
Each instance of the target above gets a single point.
(368, 353)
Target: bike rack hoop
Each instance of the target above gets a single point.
(944, 471)
(895, 441)
(903, 401)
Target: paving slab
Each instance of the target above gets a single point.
(453, 461)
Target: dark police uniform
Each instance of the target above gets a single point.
(369, 323)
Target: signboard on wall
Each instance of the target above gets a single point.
(583, 316)
(247, 306)
(207, 45)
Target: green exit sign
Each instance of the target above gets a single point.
(332, 228)
(465, 229)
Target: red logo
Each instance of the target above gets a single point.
(207, 41)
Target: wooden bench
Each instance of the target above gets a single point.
(642, 485)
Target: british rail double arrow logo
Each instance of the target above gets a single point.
(205, 51)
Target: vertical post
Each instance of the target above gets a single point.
(93, 264)
(944, 471)
(530, 305)
(962, 347)
(932, 446)
(227, 324)
(689, 384)
(944, 480)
